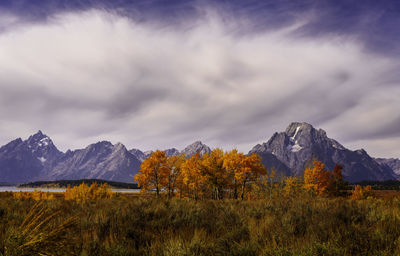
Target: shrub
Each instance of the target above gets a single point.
(360, 192)
(83, 192)
(35, 195)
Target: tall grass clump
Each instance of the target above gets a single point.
(40, 234)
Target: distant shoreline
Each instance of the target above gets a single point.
(66, 183)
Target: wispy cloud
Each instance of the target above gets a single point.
(97, 75)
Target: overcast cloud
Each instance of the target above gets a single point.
(94, 75)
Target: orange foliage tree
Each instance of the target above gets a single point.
(321, 181)
(192, 181)
(232, 164)
(216, 175)
(153, 172)
(172, 174)
(249, 172)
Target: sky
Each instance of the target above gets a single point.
(160, 74)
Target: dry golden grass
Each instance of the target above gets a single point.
(137, 224)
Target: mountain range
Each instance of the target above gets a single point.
(288, 152)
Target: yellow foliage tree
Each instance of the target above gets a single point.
(249, 172)
(321, 181)
(192, 180)
(216, 176)
(292, 186)
(170, 183)
(232, 164)
(153, 172)
(312, 174)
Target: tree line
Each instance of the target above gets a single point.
(231, 174)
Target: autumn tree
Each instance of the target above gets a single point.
(249, 172)
(191, 180)
(232, 164)
(292, 186)
(321, 181)
(153, 172)
(173, 174)
(338, 178)
(216, 175)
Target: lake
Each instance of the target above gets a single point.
(17, 189)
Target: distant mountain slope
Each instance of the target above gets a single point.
(143, 155)
(302, 142)
(101, 160)
(271, 162)
(188, 151)
(392, 163)
(140, 155)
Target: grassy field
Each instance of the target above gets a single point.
(142, 225)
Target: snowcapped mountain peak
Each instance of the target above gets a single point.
(301, 142)
(39, 140)
(41, 145)
(295, 127)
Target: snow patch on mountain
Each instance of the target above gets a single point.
(293, 143)
(42, 159)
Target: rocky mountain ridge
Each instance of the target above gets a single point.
(37, 158)
(301, 142)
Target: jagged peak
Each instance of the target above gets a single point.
(135, 150)
(39, 140)
(291, 129)
(37, 136)
(197, 142)
(104, 142)
(299, 127)
(196, 146)
(120, 146)
(101, 144)
(172, 151)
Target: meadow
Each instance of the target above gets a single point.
(141, 224)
